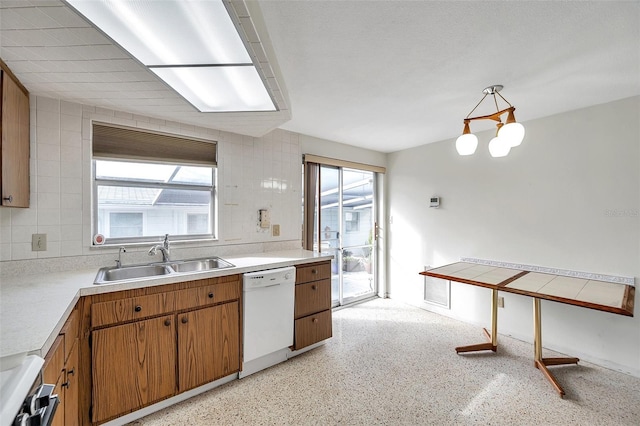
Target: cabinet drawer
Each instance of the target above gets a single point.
(207, 295)
(312, 329)
(312, 297)
(319, 271)
(133, 308)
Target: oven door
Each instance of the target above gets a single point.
(39, 407)
(20, 373)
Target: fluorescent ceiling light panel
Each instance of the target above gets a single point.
(212, 89)
(174, 33)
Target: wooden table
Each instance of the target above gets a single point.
(598, 295)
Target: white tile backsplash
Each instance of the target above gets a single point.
(23, 217)
(47, 217)
(22, 234)
(253, 173)
(48, 151)
(47, 168)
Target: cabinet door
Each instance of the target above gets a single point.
(208, 344)
(134, 365)
(15, 144)
(71, 391)
(58, 418)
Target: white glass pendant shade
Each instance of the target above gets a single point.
(466, 144)
(513, 133)
(499, 147)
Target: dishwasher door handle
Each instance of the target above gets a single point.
(263, 286)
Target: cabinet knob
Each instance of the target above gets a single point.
(184, 320)
(314, 287)
(315, 320)
(210, 295)
(138, 308)
(167, 322)
(65, 384)
(314, 271)
(9, 198)
(72, 371)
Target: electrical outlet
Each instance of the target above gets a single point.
(500, 302)
(38, 242)
(275, 230)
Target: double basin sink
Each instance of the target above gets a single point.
(111, 274)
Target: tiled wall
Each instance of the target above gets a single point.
(253, 173)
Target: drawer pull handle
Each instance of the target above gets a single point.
(314, 287)
(184, 320)
(72, 371)
(65, 384)
(138, 308)
(315, 320)
(210, 295)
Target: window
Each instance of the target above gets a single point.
(125, 224)
(197, 223)
(148, 187)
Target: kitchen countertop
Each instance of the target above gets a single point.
(33, 308)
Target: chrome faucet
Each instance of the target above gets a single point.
(164, 249)
(119, 261)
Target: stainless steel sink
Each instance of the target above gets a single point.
(116, 274)
(200, 265)
(111, 274)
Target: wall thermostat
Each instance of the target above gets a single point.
(434, 202)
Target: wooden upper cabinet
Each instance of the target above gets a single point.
(14, 152)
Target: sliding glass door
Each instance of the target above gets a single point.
(357, 236)
(344, 221)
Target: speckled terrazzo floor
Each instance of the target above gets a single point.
(394, 364)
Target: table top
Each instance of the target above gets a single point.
(600, 295)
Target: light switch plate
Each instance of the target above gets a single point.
(275, 230)
(38, 242)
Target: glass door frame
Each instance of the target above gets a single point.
(342, 300)
(339, 273)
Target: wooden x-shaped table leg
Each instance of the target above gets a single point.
(540, 362)
(492, 344)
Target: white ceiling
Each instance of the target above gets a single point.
(384, 75)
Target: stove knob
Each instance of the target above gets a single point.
(287, 276)
(21, 419)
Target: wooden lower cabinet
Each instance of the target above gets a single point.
(133, 366)
(71, 387)
(61, 368)
(208, 344)
(312, 305)
(190, 336)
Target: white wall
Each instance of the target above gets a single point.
(568, 197)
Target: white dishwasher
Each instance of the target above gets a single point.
(269, 298)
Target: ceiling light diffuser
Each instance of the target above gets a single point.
(181, 41)
(212, 89)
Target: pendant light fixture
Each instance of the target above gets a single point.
(509, 134)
